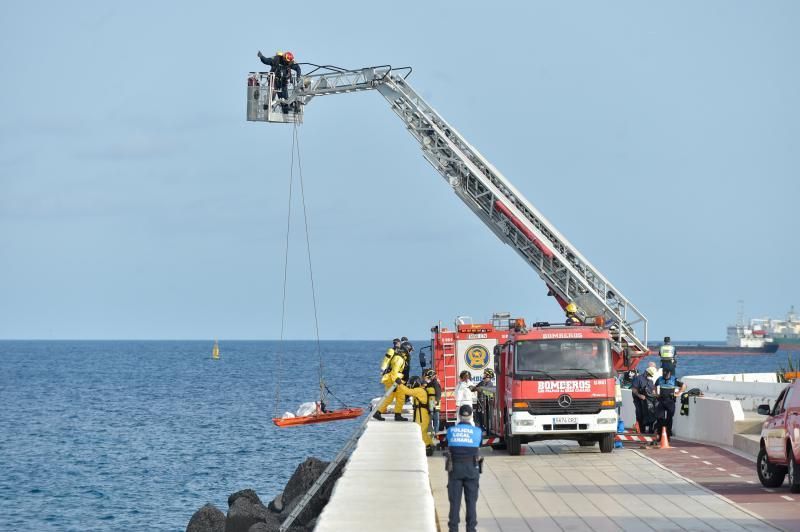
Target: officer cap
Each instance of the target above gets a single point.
(465, 411)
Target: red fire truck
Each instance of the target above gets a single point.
(552, 381)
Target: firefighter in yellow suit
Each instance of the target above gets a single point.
(394, 371)
(390, 353)
(424, 397)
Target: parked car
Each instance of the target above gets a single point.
(779, 456)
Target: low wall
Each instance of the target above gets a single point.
(388, 462)
(750, 390)
(739, 377)
(710, 419)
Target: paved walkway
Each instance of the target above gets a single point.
(560, 486)
(733, 477)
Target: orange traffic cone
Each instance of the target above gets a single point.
(636, 428)
(664, 442)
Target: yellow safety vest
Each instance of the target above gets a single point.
(667, 351)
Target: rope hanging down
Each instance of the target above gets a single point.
(281, 345)
(296, 145)
(323, 388)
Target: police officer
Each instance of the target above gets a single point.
(667, 354)
(463, 464)
(668, 388)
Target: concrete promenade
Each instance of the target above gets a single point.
(560, 486)
(388, 465)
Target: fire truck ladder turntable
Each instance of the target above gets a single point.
(566, 272)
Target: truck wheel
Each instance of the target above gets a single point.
(794, 474)
(607, 443)
(499, 446)
(514, 445)
(584, 443)
(770, 475)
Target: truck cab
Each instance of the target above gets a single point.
(553, 382)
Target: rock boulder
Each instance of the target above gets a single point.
(246, 511)
(209, 518)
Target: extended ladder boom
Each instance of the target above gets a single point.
(569, 276)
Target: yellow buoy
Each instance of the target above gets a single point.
(215, 351)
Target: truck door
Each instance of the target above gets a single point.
(776, 429)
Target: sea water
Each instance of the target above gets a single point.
(132, 435)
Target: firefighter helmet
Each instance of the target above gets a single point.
(572, 308)
(279, 53)
(488, 373)
(407, 347)
(289, 56)
(429, 373)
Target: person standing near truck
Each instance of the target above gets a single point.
(464, 464)
(641, 388)
(464, 389)
(667, 354)
(668, 389)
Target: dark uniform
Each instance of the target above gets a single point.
(665, 410)
(641, 385)
(463, 472)
(437, 389)
(281, 68)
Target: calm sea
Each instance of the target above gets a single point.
(132, 435)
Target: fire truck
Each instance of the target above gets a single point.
(551, 381)
(615, 331)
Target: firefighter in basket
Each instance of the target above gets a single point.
(423, 396)
(281, 66)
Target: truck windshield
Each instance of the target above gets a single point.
(572, 358)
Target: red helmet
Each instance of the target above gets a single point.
(289, 56)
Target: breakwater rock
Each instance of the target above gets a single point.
(246, 512)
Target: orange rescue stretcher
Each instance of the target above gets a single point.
(333, 415)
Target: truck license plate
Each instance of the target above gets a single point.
(565, 420)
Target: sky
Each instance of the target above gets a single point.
(136, 202)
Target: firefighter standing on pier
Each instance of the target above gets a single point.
(395, 371)
(423, 395)
(429, 376)
(464, 464)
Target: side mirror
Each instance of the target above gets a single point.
(764, 410)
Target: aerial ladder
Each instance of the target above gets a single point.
(569, 276)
